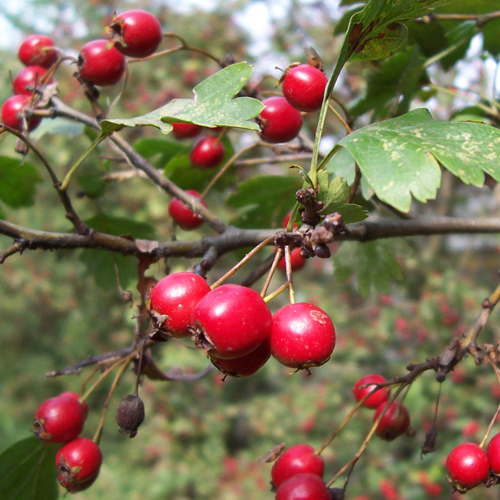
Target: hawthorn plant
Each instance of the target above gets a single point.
(232, 296)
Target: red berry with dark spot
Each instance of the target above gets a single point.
(493, 452)
(173, 299)
(12, 112)
(208, 152)
(183, 215)
(302, 336)
(27, 78)
(186, 130)
(136, 33)
(467, 466)
(101, 64)
(395, 421)
(78, 463)
(304, 87)
(37, 50)
(59, 419)
(280, 122)
(296, 261)
(370, 381)
(298, 459)
(76, 396)
(231, 321)
(303, 487)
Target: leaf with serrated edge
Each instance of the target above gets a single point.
(212, 106)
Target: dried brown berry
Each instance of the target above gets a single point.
(130, 414)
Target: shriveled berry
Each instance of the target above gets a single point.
(185, 130)
(207, 152)
(303, 487)
(130, 414)
(304, 87)
(395, 421)
(13, 110)
(37, 50)
(27, 78)
(371, 381)
(280, 122)
(467, 466)
(183, 215)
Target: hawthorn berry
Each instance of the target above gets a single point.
(100, 64)
(231, 321)
(370, 381)
(395, 421)
(296, 261)
(78, 463)
(302, 336)
(303, 487)
(59, 419)
(186, 130)
(13, 110)
(280, 122)
(173, 299)
(27, 78)
(304, 87)
(493, 452)
(37, 50)
(136, 33)
(130, 414)
(298, 459)
(207, 152)
(183, 215)
(467, 466)
(75, 395)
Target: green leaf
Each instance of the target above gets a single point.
(212, 106)
(351, 213)
(27, 471)
(18, 182)
(373, 262)
(461, 36)
(93, 185)
(384, 44)
(336, 193)
(265, 200)
(399, 157)
(160, 151)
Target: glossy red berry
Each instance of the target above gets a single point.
(303, 487)
(59, 419)
(76, 396)
(395, 421)
(302, 336)
(101, 64)
(304, 87)
(207, 152)
(298, 459)
(37, 50)
(231, 321)
(136, 33)
(173, 299)
(280, 122)
(186, 130)
(370, 381)
(296, 261)
(27, 78)
(12, 112)
(183, 215)
(467, 466)
(493, 452)
(246, 365)
(78, 463)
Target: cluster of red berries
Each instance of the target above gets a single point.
(396, 419)
(61, 420)
(236, 328)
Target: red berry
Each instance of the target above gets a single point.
(12, 112)
(101, 64)
(59, 419)
(174, 298)
(296, 261)
(136, 33)
(183, 215)
(185, 130)
(76, 396)
(376, 399)
(304, 87)
(208, 152)
(280, 121)
(493, 452)
(246, 365)
(394, 422)
(232, 321)
(298, 459)
(27, 78)
(78, 463)
(467, 466)
(303, 487)
(302, 336)
(37, 50)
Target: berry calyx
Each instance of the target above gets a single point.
(298, 459)
(136, 33)
(101, 64)
(303, 487)
(183, 215)
(280, 122)
(231, 321)
(59, 419)
(27, 78)
(296, 261)
(467, 466)
(395, 421)
(493, 452)
(185, 130)
(304, 87)
(207, 152)
(302, 336)
(78, 463)
(37, 50)
(173, 299)
(75, 395)
(370, 381)
(13, 110)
